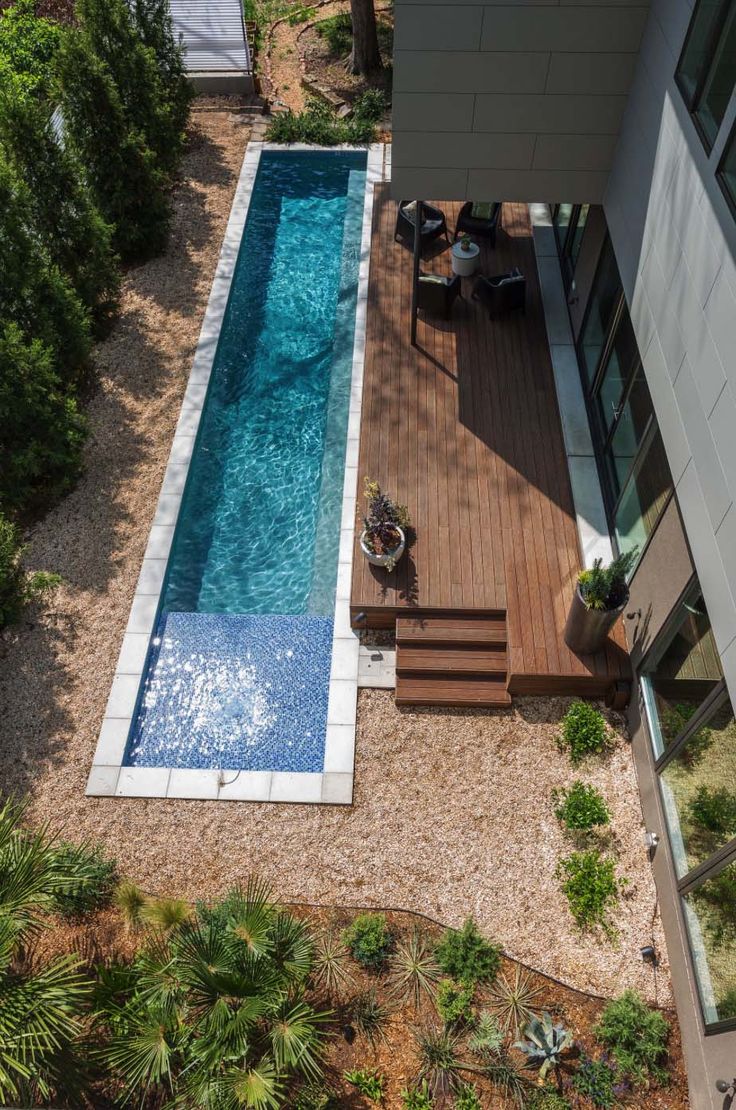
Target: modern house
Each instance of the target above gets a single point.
(616, 122)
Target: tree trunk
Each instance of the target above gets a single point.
(365, 57)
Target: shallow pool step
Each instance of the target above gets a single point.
(450, 661)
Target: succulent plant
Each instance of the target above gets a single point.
(545, 1042)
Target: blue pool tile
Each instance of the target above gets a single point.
(240, 692)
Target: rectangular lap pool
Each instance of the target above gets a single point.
(237, 669)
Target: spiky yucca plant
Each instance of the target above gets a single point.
(331, 964)
(413, 971)
(512, 1000)
(212, 1013)
(41, 1005)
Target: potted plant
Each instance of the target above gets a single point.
(465, 242)
(599, 600)
(383, 538)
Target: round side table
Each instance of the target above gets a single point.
(465, 263)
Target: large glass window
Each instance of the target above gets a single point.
(644, 496)
(604, 300)
(727, 171)
(693, 731)
(706, 72)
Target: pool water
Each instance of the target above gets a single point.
(238, 670)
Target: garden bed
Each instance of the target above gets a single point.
(105, 937)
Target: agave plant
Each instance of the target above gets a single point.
(544, 1043)
(413, 971)
(512, 1000)
(212, 1013)
(41, 1005)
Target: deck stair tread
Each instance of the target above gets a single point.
(452, 660)
(484, 693)
(449, 631)
(471, 660)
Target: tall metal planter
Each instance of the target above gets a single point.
(586, 630)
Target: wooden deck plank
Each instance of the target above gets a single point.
(465, 430)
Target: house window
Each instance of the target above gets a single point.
(727, 171)
(569, 223)
(706, 73)
(691, 722)
(635, 475)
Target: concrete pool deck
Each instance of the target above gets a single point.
(109, 776)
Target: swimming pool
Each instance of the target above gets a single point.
(237, 670)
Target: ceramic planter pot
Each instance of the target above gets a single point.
(586, 630)
(388, 559)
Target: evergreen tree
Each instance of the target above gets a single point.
(153, 19)
(114, 37)
(43, 430)
(34, 293)
(62, 208)
(128, 184)
(28, 45)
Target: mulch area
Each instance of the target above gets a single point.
(104, 938)
(330, 70)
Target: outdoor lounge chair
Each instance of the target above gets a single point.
(501, 293)
(434, 223)
(437, 294)
(479, 218)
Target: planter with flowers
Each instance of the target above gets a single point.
(600, 598)
(383, 539)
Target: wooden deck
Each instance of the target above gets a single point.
(466, 432)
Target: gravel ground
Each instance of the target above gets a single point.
(451, 814)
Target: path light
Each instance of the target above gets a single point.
(724, 1087)
(651, 840)
(649, 955)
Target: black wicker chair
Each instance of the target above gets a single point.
(483, 226)
(502, 293)
(436, 294)
(434, 223)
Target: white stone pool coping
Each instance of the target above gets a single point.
(334, 785)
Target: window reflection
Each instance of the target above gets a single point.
(710, 912)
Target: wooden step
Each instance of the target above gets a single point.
(451, 631)
(439, 690)
(435, 659)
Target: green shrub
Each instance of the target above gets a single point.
(156, 29)
(299, 15)
(43, 430)
(61, 205)
(467, 1098)
(338, 33)
(466, 956)
(714, 810)
(716, 902)
(17, 588)
(596, 1080)
(369, 940)
(604, 588)
(94, 889)
(580, 807)
(34, 294)
(370, 1084)
(636, 1037)
(590, 884)
(319, 123)
(583, 731)
(28, 45)
(129, 185)
(455, 1002)
(417, 1098)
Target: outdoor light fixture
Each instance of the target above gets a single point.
(359, 618)
(723, 1086)
(651, 840)
(649, 955)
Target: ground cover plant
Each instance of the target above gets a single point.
(320, 124)
(584, 731)
(636, 1037)
(591, 886)
(580, 807)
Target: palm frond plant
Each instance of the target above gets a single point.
(370, 1015)
(512, 1000)
(213, 1013)
(42, 1005)
(331, 964)
(413, 971)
